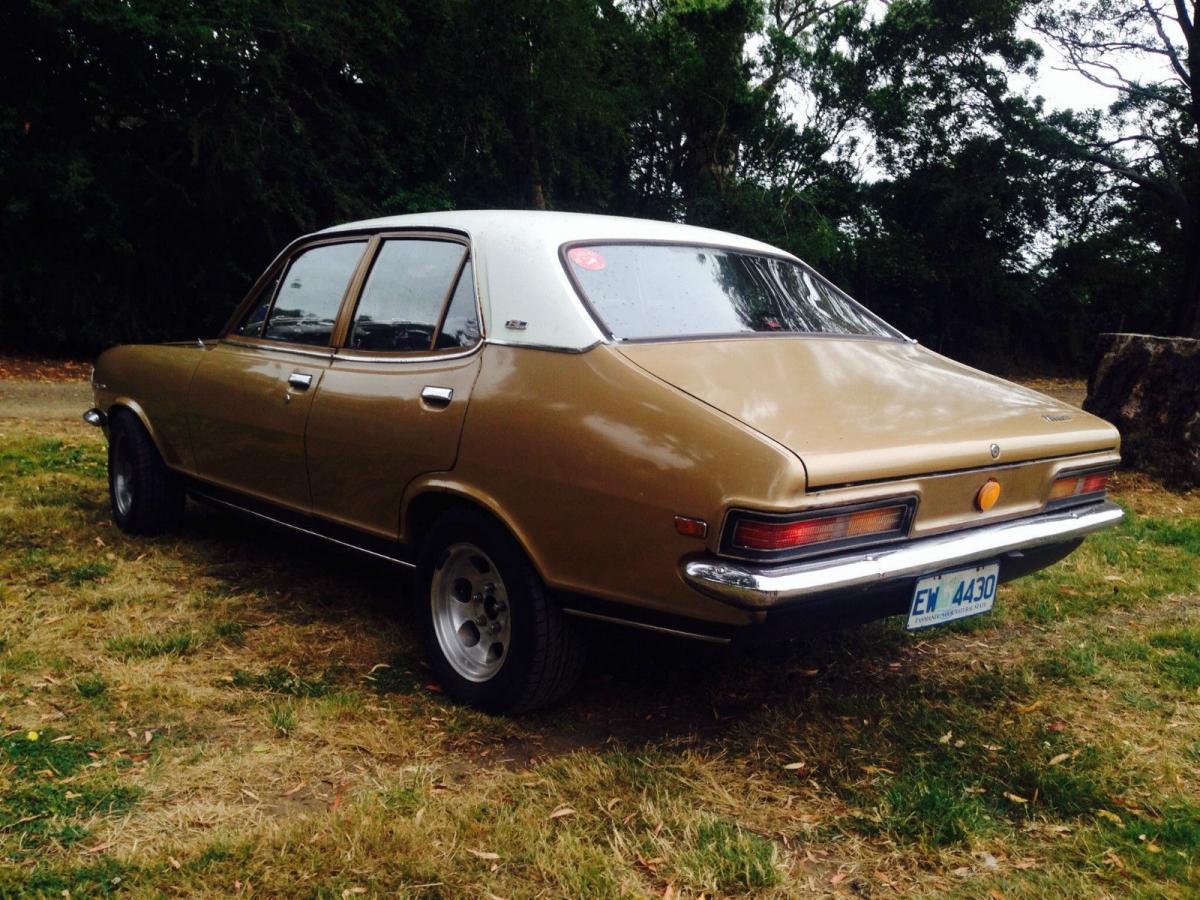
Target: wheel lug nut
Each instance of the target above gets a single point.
(476, 597)
(490, 587)
(495, 628)
(481, 621)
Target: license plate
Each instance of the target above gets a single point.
(953, 595)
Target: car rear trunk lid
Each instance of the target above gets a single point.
(856, 410)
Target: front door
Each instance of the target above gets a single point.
(251, 395)
(391, 405)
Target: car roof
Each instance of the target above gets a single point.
(563, 227)
(524, 291)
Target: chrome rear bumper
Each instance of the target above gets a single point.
(764, 587)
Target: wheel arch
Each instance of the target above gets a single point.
(424, 503)
(128, 405)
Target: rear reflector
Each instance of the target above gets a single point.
(749, 534)
(1079, 485)
(689, 527)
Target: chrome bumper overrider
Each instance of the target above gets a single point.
(755, 586)
(94, 417)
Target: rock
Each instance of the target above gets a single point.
(1149, 387)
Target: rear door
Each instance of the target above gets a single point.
(391, 404)
(251, 395)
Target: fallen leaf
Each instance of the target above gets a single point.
(175, 864)
(562, 812)
(483, 854)
(1111, 816)
(1062, 757)
(353, 891)
(1015, 798)
(296, 789)
(945, 738)
(995, 894)
(793, 766)
(838, 878)
(1030, 708)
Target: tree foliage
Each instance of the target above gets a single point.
(155, 154)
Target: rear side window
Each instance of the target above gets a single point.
(648, 291)
(405, 294)
(310, 294)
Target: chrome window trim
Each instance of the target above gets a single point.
(549, 347)
(419, 356)
(278, 348)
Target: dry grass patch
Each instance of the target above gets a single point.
(221, 711)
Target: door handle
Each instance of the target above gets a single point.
(437, 396)
(298, 381)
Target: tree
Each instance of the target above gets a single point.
(1152, 137)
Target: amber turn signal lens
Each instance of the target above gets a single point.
(690, 527)
(768, 536)
(988, 495)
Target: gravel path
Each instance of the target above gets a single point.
(44, 400)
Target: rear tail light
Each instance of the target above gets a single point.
(778, 536)
(1079, 485)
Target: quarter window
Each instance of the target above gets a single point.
(405, 293)
(310, 294)
(460, 328)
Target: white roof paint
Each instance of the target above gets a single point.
(517, 267)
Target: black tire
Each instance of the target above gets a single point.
(545, 652)
(146, 497)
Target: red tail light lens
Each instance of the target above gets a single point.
(767, 536)
(1079, 485)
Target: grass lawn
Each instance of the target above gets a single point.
(227, 711)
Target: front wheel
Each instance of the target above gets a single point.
(492, 636)
(145, 495)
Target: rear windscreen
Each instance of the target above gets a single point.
(647, 291)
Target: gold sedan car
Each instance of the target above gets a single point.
(553, 418)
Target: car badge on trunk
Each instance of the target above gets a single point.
(995, 450)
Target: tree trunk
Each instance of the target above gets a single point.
(1188, 319)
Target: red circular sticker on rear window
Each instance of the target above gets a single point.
(586, 258)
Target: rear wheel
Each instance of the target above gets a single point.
(146, 497)
(492, 636)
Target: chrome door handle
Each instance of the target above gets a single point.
(437, 396)
(298, 381)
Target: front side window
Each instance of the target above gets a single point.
(310, 294)
(648, 291)
(405, 293)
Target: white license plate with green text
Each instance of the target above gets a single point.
(953, 595)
